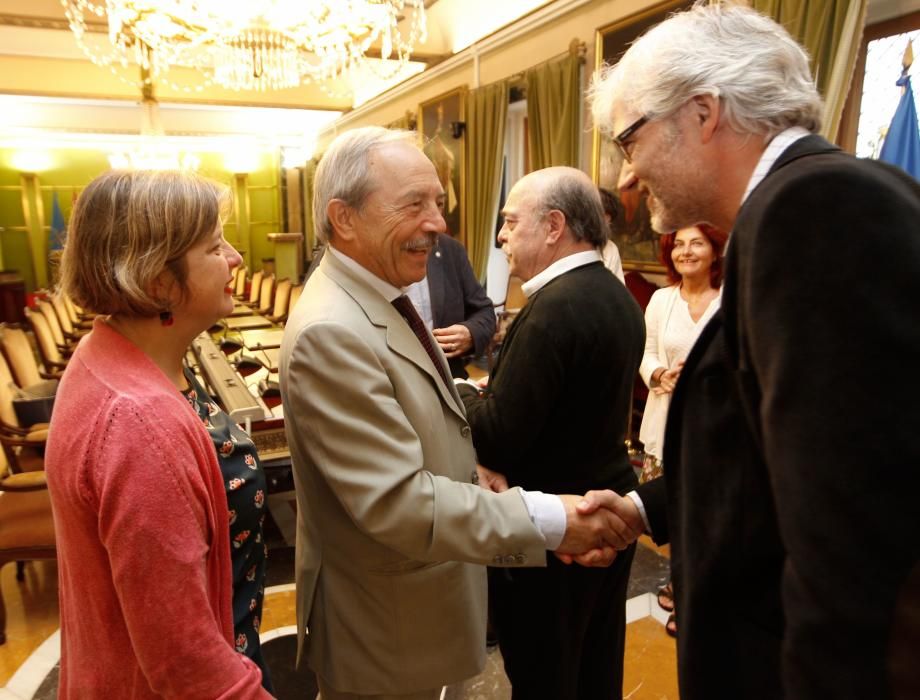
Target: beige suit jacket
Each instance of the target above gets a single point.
(391, 535)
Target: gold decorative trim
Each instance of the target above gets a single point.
(28, 22)
(433, 104)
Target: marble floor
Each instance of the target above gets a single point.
(28, 660)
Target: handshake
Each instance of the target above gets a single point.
(597, 525)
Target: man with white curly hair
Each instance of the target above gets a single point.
(791, 463)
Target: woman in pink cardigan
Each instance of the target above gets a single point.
(140, 509)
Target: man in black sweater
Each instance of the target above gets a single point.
(554, 419)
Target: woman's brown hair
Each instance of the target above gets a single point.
(127, 228)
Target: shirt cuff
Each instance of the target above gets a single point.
(638, 501)
(548, 514)
(469, 382)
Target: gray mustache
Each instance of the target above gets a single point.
(420, 243)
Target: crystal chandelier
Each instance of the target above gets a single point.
(152, 151)
(250, 44)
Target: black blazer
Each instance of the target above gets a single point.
(726, 555)
(457, 297)
(810, 365)
(554, 416)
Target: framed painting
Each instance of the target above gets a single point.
(407, 121)
(441, 126)
(632, 230)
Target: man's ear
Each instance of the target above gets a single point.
(707, 111)
(342, 218)
(556, 221)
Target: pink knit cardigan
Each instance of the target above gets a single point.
(141, 519)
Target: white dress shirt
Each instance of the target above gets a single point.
(420, 295)
(560, 267)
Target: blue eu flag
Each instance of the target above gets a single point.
(58, 227)
(902, 143)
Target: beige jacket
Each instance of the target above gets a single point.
(391, 533)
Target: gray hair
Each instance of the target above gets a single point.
(731, 52)
(571, 192)
(344, 172)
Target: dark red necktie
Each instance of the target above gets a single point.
(405, 307)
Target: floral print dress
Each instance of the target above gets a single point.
(244, 481)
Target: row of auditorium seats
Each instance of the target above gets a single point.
(263, 296)
(26, 523)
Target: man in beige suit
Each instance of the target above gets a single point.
(392, 534)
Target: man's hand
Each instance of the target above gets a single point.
(455, 340)
(491, 481)
(596, 528)
(622, 507)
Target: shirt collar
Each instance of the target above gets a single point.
(771, 153)
(386, 290)
(560, 267)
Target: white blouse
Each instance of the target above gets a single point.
(670, 333)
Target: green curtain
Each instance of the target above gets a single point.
(309, 173)
(553, 104)
(838, 87)
(486, 111)
(831, 31)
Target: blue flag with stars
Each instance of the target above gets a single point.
(58, 227)
(902, 143)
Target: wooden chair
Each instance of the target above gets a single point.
(266, 295)
(65, 346)
(52, 358)
(78, 317)
(72, 333)
(295, 295)
(20, 356)
(239, 282)
(23, 446)
(280, 305)
(255, 288)
(26, 524)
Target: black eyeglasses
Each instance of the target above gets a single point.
(620, 139)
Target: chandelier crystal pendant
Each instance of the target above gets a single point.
(249, 44)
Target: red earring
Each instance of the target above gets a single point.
(166, 318)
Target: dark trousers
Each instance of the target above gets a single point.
(562, 629)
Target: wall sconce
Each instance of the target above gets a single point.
(32, 161)
(457, 129)
(241, 161)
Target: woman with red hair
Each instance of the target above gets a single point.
(673, 319)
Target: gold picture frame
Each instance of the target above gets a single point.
(407, 121)
(632, 230)
(441, 128)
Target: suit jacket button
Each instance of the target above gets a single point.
(509, 559)
(520, 559)
(497, 559)
(465, 431)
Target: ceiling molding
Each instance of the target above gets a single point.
(33, 22)
(527, 24)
